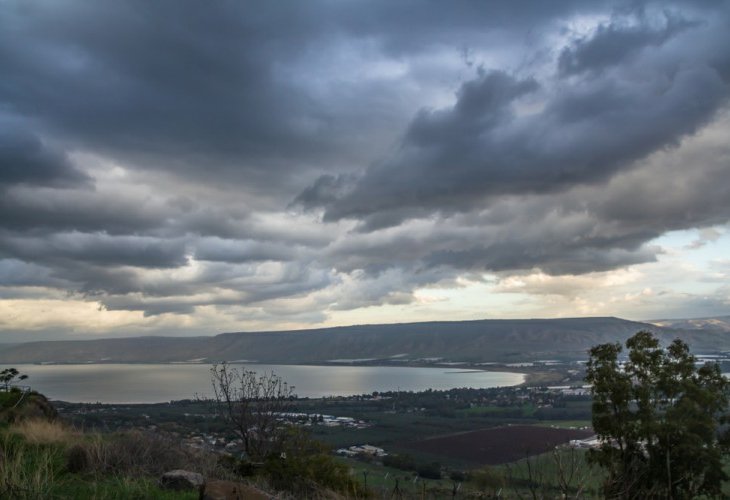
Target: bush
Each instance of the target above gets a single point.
(402, 462)
(143, 454)
(487, 479)
(10, 398)
(242, 468)
(305, 476)
(77, 459)
(458, 476)
(307, 469)
(429, 471)
(18, 406)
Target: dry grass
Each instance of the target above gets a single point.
(25, 473)
(144, 454)
(40, 431)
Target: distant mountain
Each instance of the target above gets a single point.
(717, 324)
(470, 341)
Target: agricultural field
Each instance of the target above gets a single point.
(396, 422)
(498, 445)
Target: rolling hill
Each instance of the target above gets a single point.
(470, 341)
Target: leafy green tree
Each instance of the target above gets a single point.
(657, 415)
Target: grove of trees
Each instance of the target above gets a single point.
(658, 416)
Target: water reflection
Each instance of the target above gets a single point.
(149, 383)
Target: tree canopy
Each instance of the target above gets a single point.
(9, 376)
(657, 415)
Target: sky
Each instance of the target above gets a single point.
(189, 168)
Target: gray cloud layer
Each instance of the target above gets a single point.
(588, 130)
(298, 157)
(26, 160)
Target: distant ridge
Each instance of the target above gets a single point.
(718, 323)
(468, 341)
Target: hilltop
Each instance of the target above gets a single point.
(470, 341)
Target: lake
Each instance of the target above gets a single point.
(153, 383)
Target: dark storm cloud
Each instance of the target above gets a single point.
(585, 229)
(484, 146)
(183, 78)
(200, 88)
(242, 251)
(24, 159)
(539, 234)
(459, 24)
(615, 42)
(204, 121)
(96, 249)
(668, 196)
(50, 210)
(174, 305)
(16, 273)
(325, 190)
(216, 286)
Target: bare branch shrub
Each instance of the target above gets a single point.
(573, 472)
(254, 406)
(530, 474)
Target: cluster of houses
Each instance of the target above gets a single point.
(566, 390)
(590, 442)
(308, 419)
(213, 443)
(363, 450)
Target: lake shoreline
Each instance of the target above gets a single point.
(121, 383)
(533, 376)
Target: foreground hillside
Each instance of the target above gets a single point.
(470, 341)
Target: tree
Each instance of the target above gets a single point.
(657, 416)
(254, 406)
(9, 376)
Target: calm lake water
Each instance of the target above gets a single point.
(152, 383)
